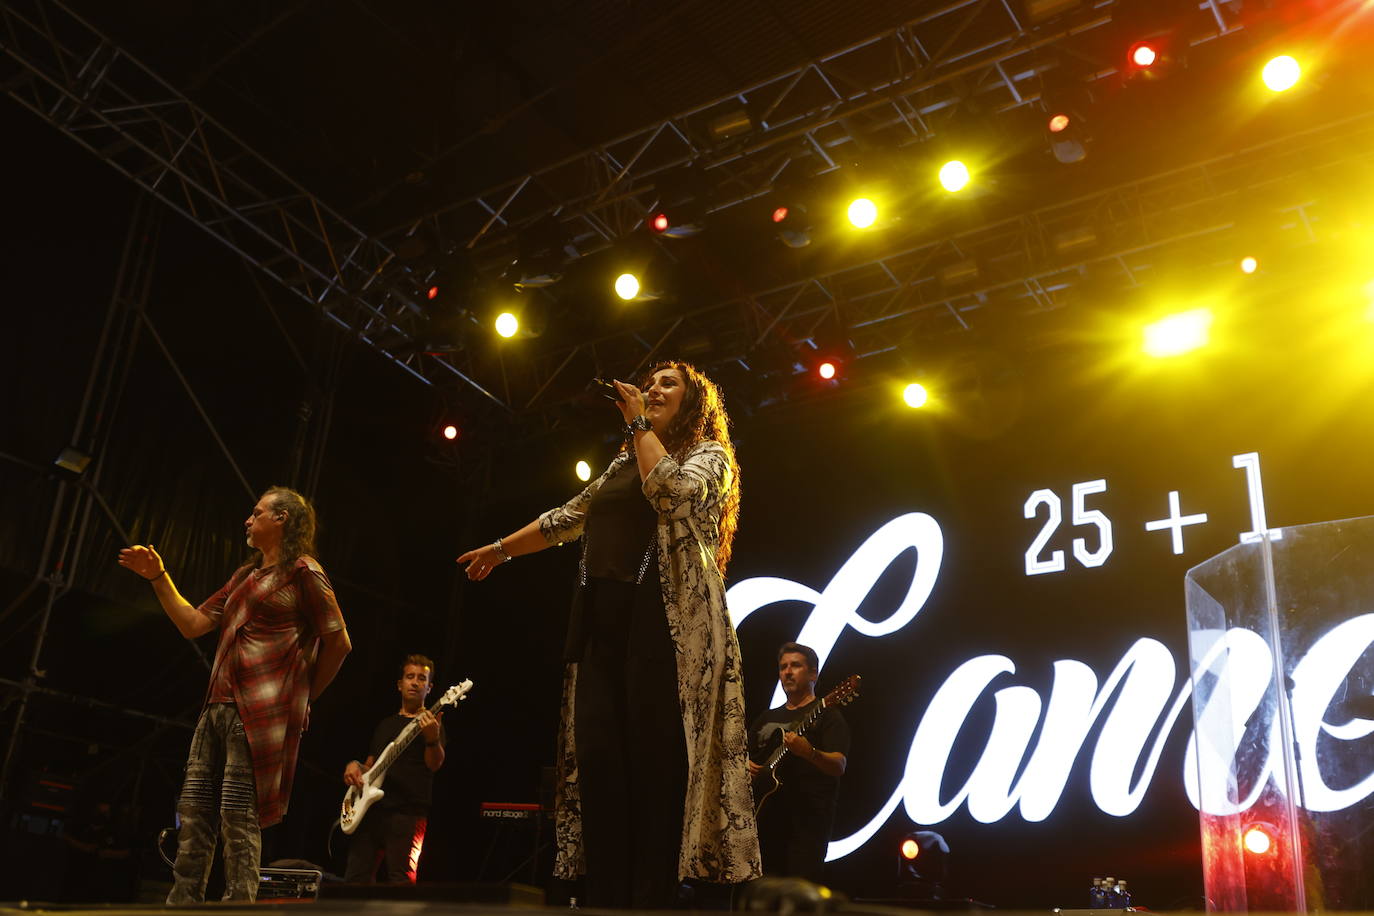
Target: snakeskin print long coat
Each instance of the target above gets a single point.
(719, 838)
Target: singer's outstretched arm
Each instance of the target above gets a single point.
(482, 560)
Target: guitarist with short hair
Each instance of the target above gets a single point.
(394, 828)
(795, 821)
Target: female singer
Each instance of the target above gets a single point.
(653, 782)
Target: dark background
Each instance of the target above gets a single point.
(821, 484)
(1290, 376)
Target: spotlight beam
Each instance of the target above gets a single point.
(1167, 197)
(1281, 73)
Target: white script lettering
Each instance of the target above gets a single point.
(1144, 693)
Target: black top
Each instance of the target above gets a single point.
(800, 782)
(619, 527)
(409, 784)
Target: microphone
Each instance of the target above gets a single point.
(604, 388)
(607, 390)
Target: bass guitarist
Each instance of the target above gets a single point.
(394, 828)
(795, 821)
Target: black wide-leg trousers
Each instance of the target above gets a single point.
(631, 748)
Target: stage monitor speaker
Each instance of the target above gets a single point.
(279, 885)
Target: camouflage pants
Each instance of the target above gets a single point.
(218, 799)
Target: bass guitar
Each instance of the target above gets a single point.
(766, 782)
(358, 800)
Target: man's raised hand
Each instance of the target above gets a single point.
(142, 560)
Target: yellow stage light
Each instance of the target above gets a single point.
(1281, 73)
(863, 213)
(627, 286)
(1178, 333)
(915, 395)
(584, 471)
(507, 325)
(954, 176)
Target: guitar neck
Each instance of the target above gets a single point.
(399, 744)
(806, 722)
(810, 718)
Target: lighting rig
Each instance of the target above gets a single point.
(675, 179)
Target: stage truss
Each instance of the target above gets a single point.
(64, 70)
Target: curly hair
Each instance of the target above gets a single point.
(701, 417)
(298, 532)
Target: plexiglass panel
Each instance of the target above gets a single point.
(1283, 687)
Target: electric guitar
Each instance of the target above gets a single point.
(766, 782)
(358, 800)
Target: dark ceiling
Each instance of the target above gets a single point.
(421, 120)
(351, 97)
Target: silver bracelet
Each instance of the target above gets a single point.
(501, 551)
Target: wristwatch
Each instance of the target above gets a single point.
(639, 422)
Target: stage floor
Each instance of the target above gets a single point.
(393, 903)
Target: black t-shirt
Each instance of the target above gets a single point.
(801, 783)
(409, 784)
(619, 527)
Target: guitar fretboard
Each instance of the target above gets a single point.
(806, 722)
(401, 742)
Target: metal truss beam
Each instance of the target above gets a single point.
(1032, 262)
(893, 82)
(59, 67)
(963, 49)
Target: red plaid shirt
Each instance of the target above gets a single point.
(270, 625)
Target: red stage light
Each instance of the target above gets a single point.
(1258, 841)
(910, 849)
(432, 293)
(450, 432)
(1143, 55)
(826, 370)
(417, 845)
(659, 223)
(1059, 123)
(779, 214)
